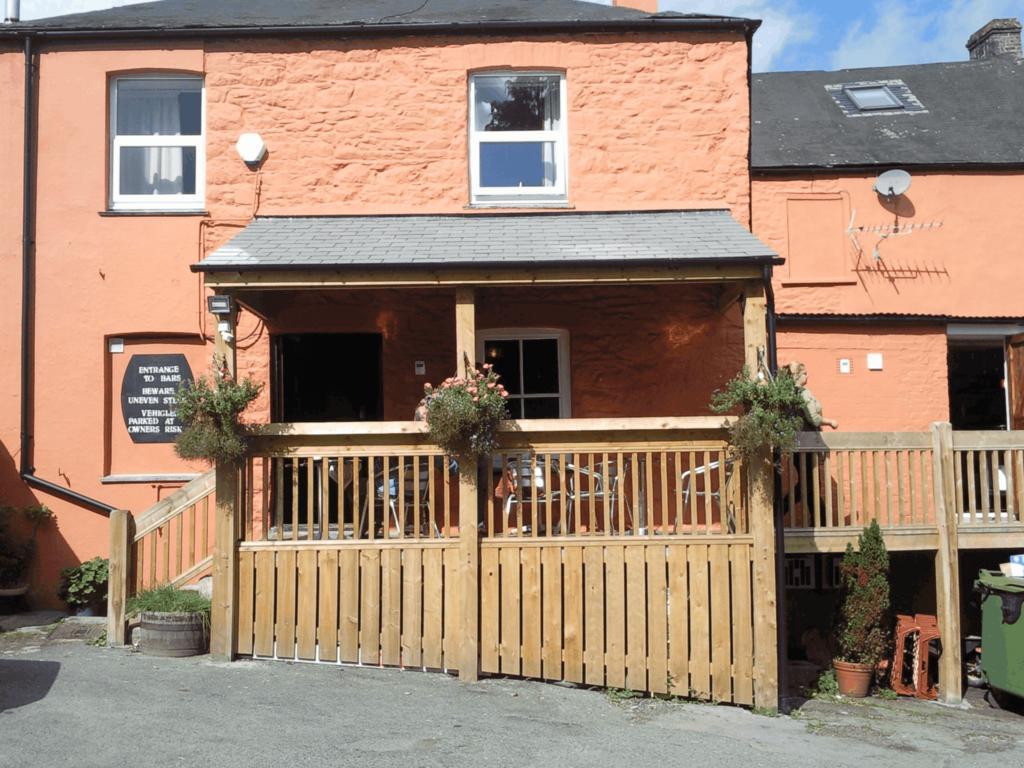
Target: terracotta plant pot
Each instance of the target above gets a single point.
(853, 679)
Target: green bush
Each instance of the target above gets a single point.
(17, 549)
(169, 599)
(209, 411)
(771, 412)
(463, 414)
(864, 613)
(85, 584)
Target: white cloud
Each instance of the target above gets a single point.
(41, 9)
(784, 24)
(904, 32)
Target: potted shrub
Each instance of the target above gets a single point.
(17, 548)
(172, 621)
(771, 411)
(209, 411)
(464, 412)
(863, 634)
(84, 587)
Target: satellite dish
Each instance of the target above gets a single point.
(892, 183)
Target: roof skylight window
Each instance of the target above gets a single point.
(872, 97)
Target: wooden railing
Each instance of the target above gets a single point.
(611, 552)
(174, 538)
(989, 478)
(170, 543)
(375, 482)
(836, 481)
(611, 484)
(845, 480)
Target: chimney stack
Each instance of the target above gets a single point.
(12, 11)
(647, 6)
(1000, 37)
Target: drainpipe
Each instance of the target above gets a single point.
(26, 469)
(782, 636)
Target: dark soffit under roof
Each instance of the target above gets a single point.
(973, 113)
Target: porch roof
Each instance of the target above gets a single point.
(470, 240)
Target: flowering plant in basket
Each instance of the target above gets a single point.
(464, 412)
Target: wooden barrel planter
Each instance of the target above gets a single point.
(172, 634)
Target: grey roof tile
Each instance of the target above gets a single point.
(536, 238)
(973, 113)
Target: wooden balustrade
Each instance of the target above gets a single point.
(173, 540)
(988, 470)
(845, 480)
(613, 552)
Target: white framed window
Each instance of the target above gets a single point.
(517, 138)
(157, 147)
(534, 367)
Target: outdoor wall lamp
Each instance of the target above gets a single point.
(252, 149)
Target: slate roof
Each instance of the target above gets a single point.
(476, 239)
(973, 115)
(354, 15)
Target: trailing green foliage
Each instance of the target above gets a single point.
(463, 413)
(772, 411)
(209, 411)
(169, 599)
(17, 549)
(864, 613)
(85, 584)
(826, 686)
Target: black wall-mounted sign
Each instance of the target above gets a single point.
(149, 394)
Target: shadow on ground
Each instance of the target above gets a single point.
(25, 681)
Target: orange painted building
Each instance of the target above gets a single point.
(134, 177)
(904, 301)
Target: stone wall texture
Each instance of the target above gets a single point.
(376, 126)
(357, 126)
(908, 394)
(968, 265)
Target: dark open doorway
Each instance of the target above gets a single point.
(328, 377)
(977, 385)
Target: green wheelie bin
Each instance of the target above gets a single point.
(1002, 631)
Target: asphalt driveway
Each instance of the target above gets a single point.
(67, 703)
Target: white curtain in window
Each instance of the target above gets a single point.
(151, 169)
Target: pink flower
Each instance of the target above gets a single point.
(491, 385)
(476, 399)
(504, 393)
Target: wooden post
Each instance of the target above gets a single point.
(469, 535)
(947, 565)
(122, 533)
(224, 570)
(761, 501)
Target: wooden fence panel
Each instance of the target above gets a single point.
(371, 603)
(659, 616)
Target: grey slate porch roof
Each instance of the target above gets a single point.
(690, 237)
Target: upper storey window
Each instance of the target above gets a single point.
(517, 137)
(157, 149)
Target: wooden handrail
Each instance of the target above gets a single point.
(372, 428)
(181, 499)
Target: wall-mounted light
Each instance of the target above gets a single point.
(252, 149)
(218, 305)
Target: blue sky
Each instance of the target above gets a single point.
(800, 34)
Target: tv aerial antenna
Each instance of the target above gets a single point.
(889, 185)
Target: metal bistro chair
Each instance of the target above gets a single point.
(399, 509)
(687, 479)
(588, 484)
(528, 487)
